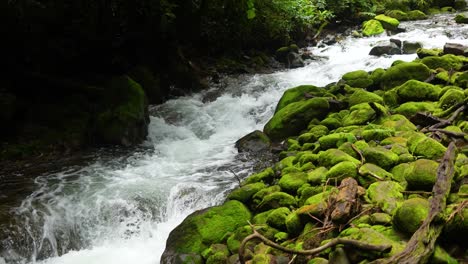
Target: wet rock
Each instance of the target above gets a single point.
(385, 194)
(413, 90)
(372, 27)
(299, 93)
(359, 79)
(422, 53)
(295, 117)
(385, 47)
(447, 62)
(387, 22)
(455, 49)
(397, 14)
(462, 18)
(401, 73)
(245, 193)
(254, 142)
(411, 214)
(266, 176)
(409, 47)
(416, 15)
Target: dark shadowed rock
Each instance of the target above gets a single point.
(385, 47)
(253, 142)
(455, 48)
(410, 47)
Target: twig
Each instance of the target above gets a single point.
(458, 211)
(447, 132)
(237, 177)
(417, 192)
(363, 160)
(332, 243)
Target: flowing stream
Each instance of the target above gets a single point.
(122, 209)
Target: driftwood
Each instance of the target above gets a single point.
(421, 245)
(345, 200)
(332, 243)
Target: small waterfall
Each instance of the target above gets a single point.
(121, 210)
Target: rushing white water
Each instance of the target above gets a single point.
(122, 210)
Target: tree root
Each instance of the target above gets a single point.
(332, 243)
(421, 245)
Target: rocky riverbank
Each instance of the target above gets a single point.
(372, 165)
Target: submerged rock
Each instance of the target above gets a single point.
(384, 47)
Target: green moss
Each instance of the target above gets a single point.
(215, 249)
(317, 176)
(381, 219)
(422, 53)
(295, 117)
(292, 181)
(387, 22)
(294, 225)
(277, 200)
(246, 192)
(361, 96)
(385, 194)
(335, 140)
(318, 261)
(342, 170)
(414, 90)
(461, 19)
(377, 134)
(401, 73)
(421, 175)
(370, 173)
(423, 146)
(360, 114)
(234, 240)
(440, 256)
(266, 175)
(381, 156)
(451, 98)
(359, 79)
(397, 14)
(298, 94)
(457, 228)
(409, 109)
(447, 62)
(372, 27)
(316, 204)
(411, 214)
(277, 218)
(332, 157)
(203, 228)
(416, 15)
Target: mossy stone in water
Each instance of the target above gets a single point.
(414, 90)
(387, 22)
(292, 181)
(451, 98)
(447, 62)
(461, 19)
(416, 15)
(385, 194)
(298, 94)
(411, 214)
(245, 193)
(358, 79)
(422, 174)
(409, 109)
(381, 156)
(376, 77)
(372, 27)
(295, 117)
(401, 73)
(397, 14)
(203, 228)
(277, 218)
(422, 53)
(361, 96)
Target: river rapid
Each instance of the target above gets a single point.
(121, 208)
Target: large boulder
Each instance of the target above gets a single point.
(385, 47)
(125, 120)
(203, 228)
(387, 22)
(411, 214)
(254, 142)
(372, 27)
(402, 72)
(447, 62)
(295, 117)
(298, 93)
(359, 79)
(413, 90)
(455, 49)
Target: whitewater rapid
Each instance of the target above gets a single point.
(121, 210)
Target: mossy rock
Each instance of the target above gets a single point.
(416, 15)
(150, 83)
(277, 200)
(387, 22)
(126, 119)
(372, 27)
(203, 228)
(381, 156)
(457, 228)
(295, 117)
(414, 90)
(423, 146)
(447, 62)
(336, 139)
(298, 94)
(377, 134)
(401, 73)
(216, 249)
(361, 96)
(451, 98)
(370, 173)
(342, 170)
(253, 142)
(440, 256)
(294, 224)
(245, 193)
(266, 176)
(316, 204)
(461, 80)
(358, 79)
(318, 261)
(385, 194)
(292, 181)
(277, 218)
(410, 215)
(421, 175)
(257, 198)
(380, 219)
(376, 77)
(422, 53)
(397, 14)
(317, 175)
(360, 114)
(331, 157)
(460, 4)
(461, 19)
(409, 109)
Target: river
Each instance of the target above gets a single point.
(121, 208)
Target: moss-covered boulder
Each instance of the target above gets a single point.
(358, 79)
(295, 117)
(423, 146)
(414, 90)
(416, 15)
(462, 18)
(372, 27)
(447, 62)
(277, 218)
(277, 200)
(459, 4)
(387, 22)
(245, 193)
(397, 14)
(253, 142)
(332, 157)
(385, 194)
(203, 228)
(150, 83)
(370, 173)
(125, 120)
(451, 98)
(362, 96)
(360, 114)
(457, 228)
(422, 53)
(421, 175)
(298, 93)
(401, 73)
(266, 175)
(411, 214)
(410, 47)
(342, 170)
(409, 109)
(381, 156)
(336, 139)
(292, 181)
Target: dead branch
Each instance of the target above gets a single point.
(447, 132)
(421, 245)
(345, 200)
(363, 160)
(332, 243)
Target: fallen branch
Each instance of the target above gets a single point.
(421, 245)
(332, 243)
(447, 132)
(363, 160)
